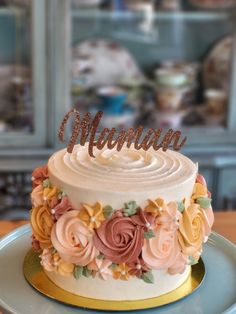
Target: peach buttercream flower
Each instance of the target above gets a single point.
(37, 196)
(121, 272)
(169, 216)
(101, 268)
(163, 251)
(62, 267)
(39, 175)
(179, 266)
(193, 228)
(73, 239)
(41, 222)
(92, 215)
(47, 260)
(51, 261)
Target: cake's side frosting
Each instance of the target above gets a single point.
(120, 290)
(114, 177)
(123, 226)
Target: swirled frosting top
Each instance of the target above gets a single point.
(129, 170)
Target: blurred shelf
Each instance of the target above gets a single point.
(13, 11)
(196, 16)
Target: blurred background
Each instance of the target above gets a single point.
(159, 63)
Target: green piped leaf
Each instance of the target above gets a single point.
(149, 234)
(180, 206)
(108, 211)
(100, 256)
(192, 261)
(46, 183)
(204, 202)
(130, 208)
(148, 277)
(61, 194)
(113, 266)
(87, 272)
(78, 272)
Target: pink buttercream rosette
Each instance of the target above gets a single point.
(73, 239)
(163, 251)
(121, 238)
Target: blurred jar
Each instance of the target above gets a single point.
(171, 88)
(139, 5)
(216, 101)
(171, 5)
(169, 119)
(189, 68)
(169, 99)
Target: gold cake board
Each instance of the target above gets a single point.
(36, 277)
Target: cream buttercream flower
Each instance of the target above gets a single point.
(73, 239)
(92, 215)
(101, 268)
(193, 227)
(37, 196)
(41, 222)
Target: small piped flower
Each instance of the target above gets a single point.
(200, 179)
(51, 261)
(154, 206)
(61, 208)
(92, 215)
(199, 190)
(50, 193)
(169, 216)
(121, 272)
(39, 175)
(35, 244)
(138, 268)
(101, 268)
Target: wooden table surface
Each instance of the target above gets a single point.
(225, 224)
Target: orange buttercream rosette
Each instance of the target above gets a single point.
(42, 223)
(193, 227)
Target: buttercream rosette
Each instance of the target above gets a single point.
(98, 240)
(73, 239)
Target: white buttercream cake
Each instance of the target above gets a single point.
(124, 225)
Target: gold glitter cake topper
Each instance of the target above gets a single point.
(87, 128)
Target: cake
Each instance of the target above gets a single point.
(124, 225)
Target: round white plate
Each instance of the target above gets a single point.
(217, 294)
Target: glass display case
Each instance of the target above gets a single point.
(156, 63)
(22, 73)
